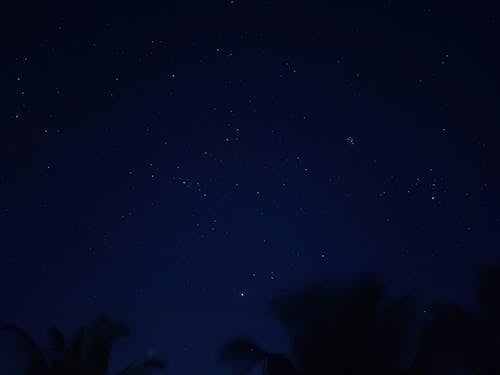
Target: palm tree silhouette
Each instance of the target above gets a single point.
(453, 338)
(352, 330)
(87, 352)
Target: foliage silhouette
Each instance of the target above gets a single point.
(356, 329)
(351, 330)
(454, 339)
(87, 352)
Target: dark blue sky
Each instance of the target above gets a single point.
(176, 163)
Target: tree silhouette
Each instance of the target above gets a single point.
(87, 352)
(453, 338)
(352, 330)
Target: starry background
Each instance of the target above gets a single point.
(175, 163)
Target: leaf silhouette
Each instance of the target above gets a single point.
(29, 353)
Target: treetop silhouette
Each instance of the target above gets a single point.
(332, 330)
(87, 352)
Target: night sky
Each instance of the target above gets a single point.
(176, 163)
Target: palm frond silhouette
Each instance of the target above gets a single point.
(87, 352)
